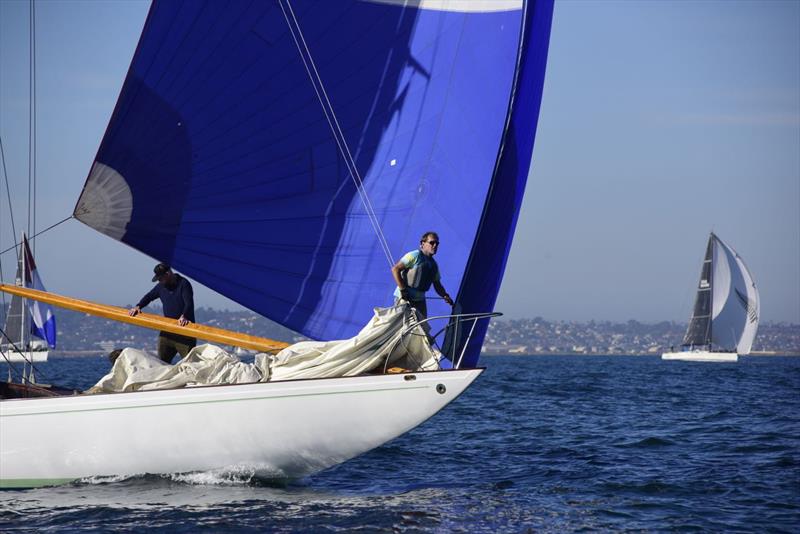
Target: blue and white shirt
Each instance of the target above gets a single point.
(421, 271)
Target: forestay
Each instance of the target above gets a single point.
(286, 153)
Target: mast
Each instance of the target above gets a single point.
(23, 281)
(709, 335)
(23, 344)
(14, 314)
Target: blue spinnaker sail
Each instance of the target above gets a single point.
(287, 153)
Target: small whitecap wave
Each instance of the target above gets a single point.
(106, 479)
(236, 475)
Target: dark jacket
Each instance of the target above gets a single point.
(177, 301)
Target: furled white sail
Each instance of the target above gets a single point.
(392, 337)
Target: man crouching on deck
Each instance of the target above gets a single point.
(177, 300)
(416, 271)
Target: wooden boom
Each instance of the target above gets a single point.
(148, 320)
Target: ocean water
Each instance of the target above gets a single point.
(543, 443)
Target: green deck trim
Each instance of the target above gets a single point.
(272, 397)
(23, 483)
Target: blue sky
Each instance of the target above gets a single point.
(660, 122)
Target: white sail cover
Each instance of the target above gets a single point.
(736, 307)
(383, 341)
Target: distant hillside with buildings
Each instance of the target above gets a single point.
(78, 333)
(539, 336)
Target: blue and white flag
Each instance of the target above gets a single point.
(43, 322)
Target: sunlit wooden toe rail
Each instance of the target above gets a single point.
(148, 320)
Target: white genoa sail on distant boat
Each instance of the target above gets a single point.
(726, 309)
(285, 154)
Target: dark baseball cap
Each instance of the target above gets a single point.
(160, 270)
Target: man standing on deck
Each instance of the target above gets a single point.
(177, 299)
(416, 272)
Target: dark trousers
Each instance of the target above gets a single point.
(420, 305)
(171, 344)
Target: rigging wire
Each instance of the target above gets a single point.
(31, 204)
(11, 218)
(30, 118)
(333, 122)
(8, 193)
(65, 219)
(32, 130)
(23, 378)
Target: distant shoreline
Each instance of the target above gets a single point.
(760, 354)
(519, 336)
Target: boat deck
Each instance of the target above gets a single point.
(11, 390)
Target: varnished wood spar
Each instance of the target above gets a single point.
(148, 320)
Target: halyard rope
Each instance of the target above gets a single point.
(333, 122)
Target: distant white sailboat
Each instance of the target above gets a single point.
(726, 310)
(30, 325)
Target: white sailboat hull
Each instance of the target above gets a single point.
(35, 356)
(277, 430)
(701, 356)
